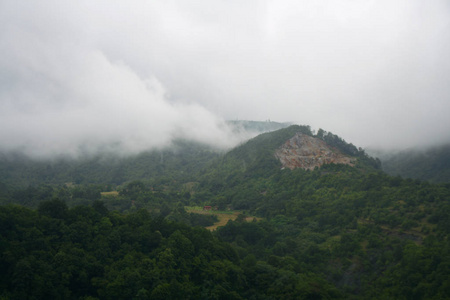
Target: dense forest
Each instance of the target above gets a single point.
(335, 232)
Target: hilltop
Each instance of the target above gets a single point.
(306, 152)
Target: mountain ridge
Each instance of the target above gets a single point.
(431, 164)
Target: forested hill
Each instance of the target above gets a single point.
(257, 157)
(432, 164)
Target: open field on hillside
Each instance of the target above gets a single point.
(110, 194)
(223, 216)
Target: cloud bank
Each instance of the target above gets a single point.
(128, 76)
(59, 96)
(87, 104)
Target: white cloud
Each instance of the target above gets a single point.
(135, 74)
(69, 99)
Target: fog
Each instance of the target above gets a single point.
(88, 76)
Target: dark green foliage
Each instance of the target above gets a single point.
(80, 254)
(135, 256)
(55, 208)
(202, 220)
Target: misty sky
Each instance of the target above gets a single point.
(86, 76)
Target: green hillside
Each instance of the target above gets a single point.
(335, 232)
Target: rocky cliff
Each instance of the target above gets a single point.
(306, 152)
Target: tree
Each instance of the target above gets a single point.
(55, 208)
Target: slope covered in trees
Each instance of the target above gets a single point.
(335, 232)
(60, 253)
(177, 161)
(180, 160)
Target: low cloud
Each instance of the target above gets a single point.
(73, 102)
(129, 76)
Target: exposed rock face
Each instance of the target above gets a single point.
(306, 152)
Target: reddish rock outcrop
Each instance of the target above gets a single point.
(306, 152)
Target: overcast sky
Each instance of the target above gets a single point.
(83, 76)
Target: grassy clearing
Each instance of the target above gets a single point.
(110, 194)
(223, 216)
(199, 210)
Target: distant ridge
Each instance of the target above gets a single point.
(432, 164)
(256, 127)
